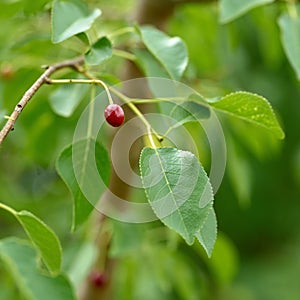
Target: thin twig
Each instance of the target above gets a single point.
(9, 126)
(83, 81)
(126, 99)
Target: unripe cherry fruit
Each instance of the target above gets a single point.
(114, 115)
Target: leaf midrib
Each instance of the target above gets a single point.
(171, 192)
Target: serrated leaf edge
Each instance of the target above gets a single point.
(28, 213)
(282, 136)
(206, 216)
(209, 254)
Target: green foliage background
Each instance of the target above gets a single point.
(257, 253)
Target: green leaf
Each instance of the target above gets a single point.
(207, 235)
(149, 65)
(232, 9)
(64, 167)
(290, 38)
(20, 260)
(184, 112)
(42, 237)
(195, 97)
(189, 111)
(99, 52)
(171, 52)
(83, 38)
(252, 108)
(70, 17)
(65, 99)
(177, 189)
(87, 150)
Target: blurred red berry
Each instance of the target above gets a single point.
(98, 279)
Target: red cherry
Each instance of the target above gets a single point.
(98, 279)
(114, 115)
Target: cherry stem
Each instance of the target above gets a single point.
(83, 81)
(130, 104)
(156, 100)
(124, 98)
(128, 101)
(91, 111)
(9, 209)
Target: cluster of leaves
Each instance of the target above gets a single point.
(162, 56)
(166, 57)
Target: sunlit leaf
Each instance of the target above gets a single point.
(87, 151)
(290, 38)
(232, 9)
(70, 17)
(19, 258)
(171, 52)
(177, 189)
(99, 52)
(252, 108)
